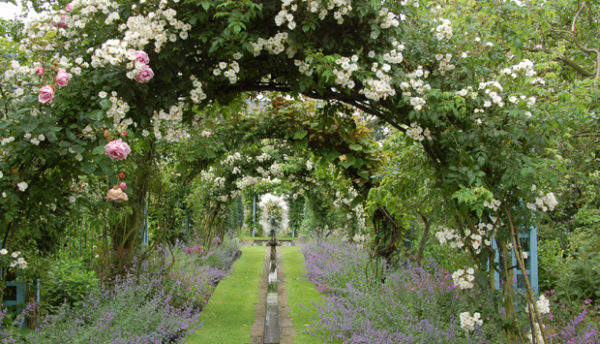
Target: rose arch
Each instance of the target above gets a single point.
(97, 72)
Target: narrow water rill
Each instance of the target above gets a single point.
(272, 332)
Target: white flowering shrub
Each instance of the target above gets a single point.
(273, 206)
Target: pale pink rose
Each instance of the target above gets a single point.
(46, 94)
(62, 78)
(117, 149)
(39, 70)
(61, 24)
(144, 75)
(122, 185)
(68, 8)
(116, 195)
(142, 57)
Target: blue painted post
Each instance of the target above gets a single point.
(529, 244)
(37, 299)
(19, 301)
(144, 233)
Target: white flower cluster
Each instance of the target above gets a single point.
(492, 89)
(209, 178)
(449, 235)
(393, 56)
(22, 186)
(543, 202)
(526, 67)
(345, 199)
(274, 45)
(463, 279)
(309, 165)
(359, 213)
(247, 181)
(197, 94)
(286, 17)
(117, 112)
(479, 238)
(264, 156)
(494, 204)
(17, 73)
(388, 18)
(84, 12)
(444, 30)
(417, 133)
(269, 204)
(417, 85)
(7, 140)
(171, 122)
(468, 92)
(348, 65)
(16, 260)
(445, 64)
(232, 159)
(468, 322)
(140, 30)
(360, 238)
(305, 67)
(229, 70)
(381, 87)
(340, 8)
(543, 305)
(112, 52)
(276, 170)
(35, 140)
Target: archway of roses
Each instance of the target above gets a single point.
(287, 140)
(91, 74)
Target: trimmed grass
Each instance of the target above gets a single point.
(250, 238)
(229, 314)
(300, 291)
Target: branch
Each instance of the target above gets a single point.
(358, 102)
(581, 47)
(566, 61)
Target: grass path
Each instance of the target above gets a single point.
(229, 314)
(300, 291)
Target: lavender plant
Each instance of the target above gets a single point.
(412, 304)
(146, 306)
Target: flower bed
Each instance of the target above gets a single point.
(147, 306)
(412, 305)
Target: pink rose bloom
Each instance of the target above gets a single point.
(117, 149)
(142, 57)
(122, 186)
(116, 195)
(62, 78)
(46, 94)
(144, 75)
(39, 70)
(68, 8)
(62, 24)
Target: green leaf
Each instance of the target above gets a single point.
(300, 134)
(355, 147)
(105, 104)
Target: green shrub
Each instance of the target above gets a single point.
(67, 280)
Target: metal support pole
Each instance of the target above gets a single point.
(253, 216)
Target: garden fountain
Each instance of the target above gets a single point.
(272, 331)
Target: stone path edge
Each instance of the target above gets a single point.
(258, 328)
(285, 322)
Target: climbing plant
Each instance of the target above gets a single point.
(99, 80)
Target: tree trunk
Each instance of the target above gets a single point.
(424, 238)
